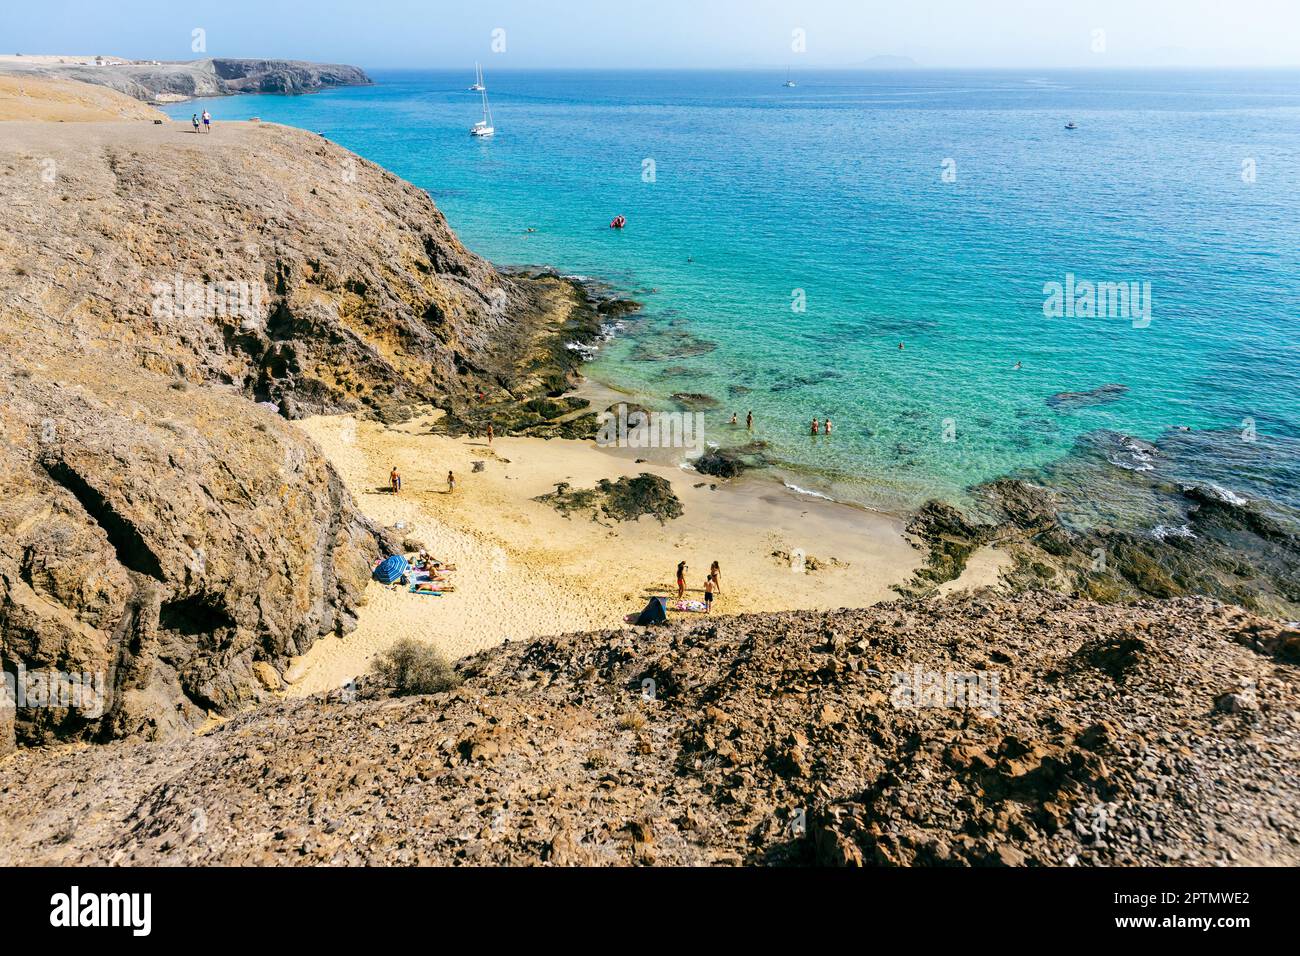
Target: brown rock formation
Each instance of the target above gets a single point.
(1153, 733)
(157, 526)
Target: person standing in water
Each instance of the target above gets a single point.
(715, 572)
(816, 427)
(749, 420)
(681, 580)
(733, 419)
(826, 426)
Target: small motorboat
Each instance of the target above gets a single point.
(1071, 125)
(618, 222)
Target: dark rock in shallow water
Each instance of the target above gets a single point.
(732, 462)
(1068, 401)
(614, 308)
(695, 401)
(719, 463)
(1207, 540)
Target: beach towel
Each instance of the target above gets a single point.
(414, 590)
(390, 569)
(699, 606)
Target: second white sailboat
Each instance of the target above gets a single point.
(484, 126)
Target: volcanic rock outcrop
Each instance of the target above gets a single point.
(1037, 730)
(163, 295)
(218, 76)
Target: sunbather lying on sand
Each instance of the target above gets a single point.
(432, 586)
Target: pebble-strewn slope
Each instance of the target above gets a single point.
(1150, 734)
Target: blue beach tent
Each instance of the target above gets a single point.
(656, 612)
(390, 569)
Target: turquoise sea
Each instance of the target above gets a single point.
(922, 207)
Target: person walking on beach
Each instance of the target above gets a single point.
(207, 122)
(749, 420)
(395, 481)
(681, 580)
(715, 572)
(194, 118)
(708, 594)
(451, 482)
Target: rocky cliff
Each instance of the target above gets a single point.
(164, 82)
(1038, 730)
(166, 300)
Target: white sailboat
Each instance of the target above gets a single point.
(788, 81)
(484, 126)
(478, 86)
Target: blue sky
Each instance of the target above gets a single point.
(673, 33)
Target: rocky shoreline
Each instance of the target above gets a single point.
(169, 82)
(1244, 551)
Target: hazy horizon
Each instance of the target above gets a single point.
(678, 34)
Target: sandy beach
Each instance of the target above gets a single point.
(524, 570)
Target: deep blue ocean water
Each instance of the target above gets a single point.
(1187, 181)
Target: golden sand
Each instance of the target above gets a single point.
(28, 97)
(526, 571)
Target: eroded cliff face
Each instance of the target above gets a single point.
(163, 295)
(216, 76)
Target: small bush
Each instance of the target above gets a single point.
(631, 721)
(411, 667)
